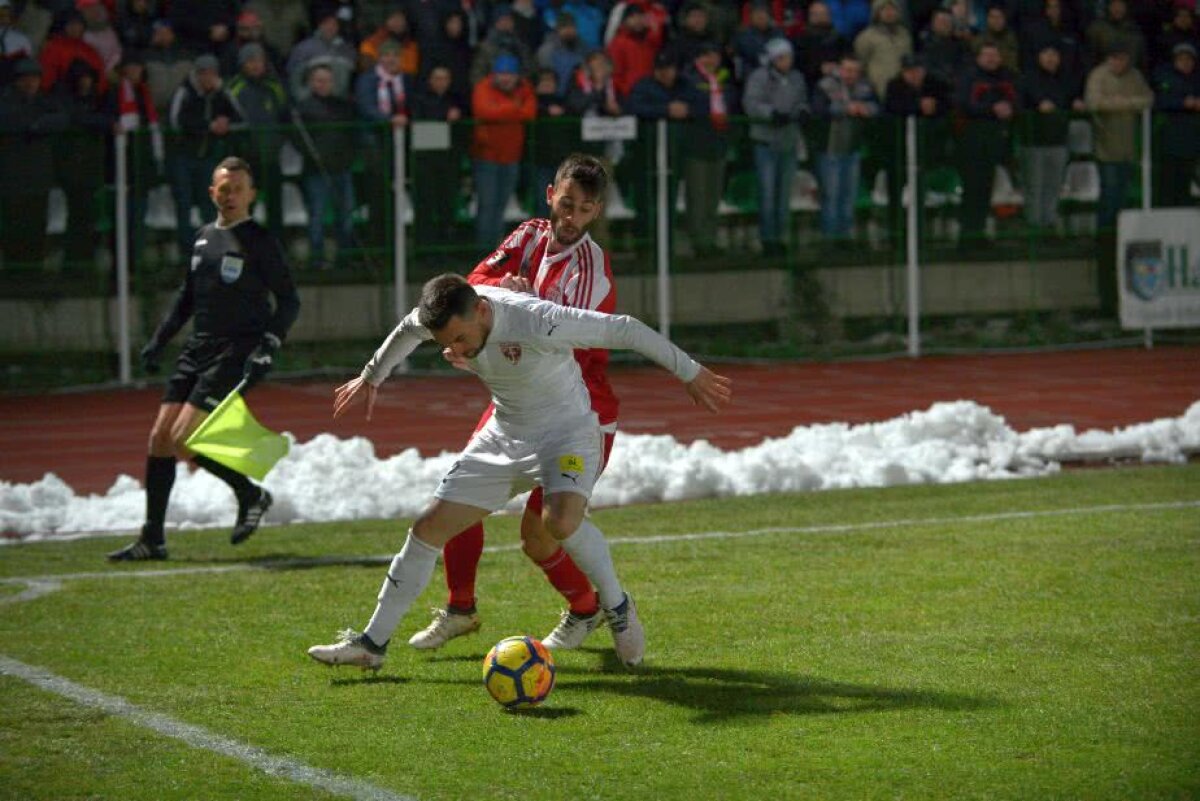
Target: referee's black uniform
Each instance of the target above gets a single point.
(232, 275)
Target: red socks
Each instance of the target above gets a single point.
(569, 580)
(461, 556)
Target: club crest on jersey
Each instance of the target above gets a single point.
(231, 268)
(511, 351)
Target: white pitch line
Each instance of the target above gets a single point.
(652, 539)
(198, 737)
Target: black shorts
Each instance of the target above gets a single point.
(208, 369)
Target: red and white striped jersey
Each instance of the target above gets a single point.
(579, 277)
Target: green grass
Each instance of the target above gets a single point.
(1045, 656)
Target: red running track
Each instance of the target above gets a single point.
(89, 439)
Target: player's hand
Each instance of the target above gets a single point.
(261, 359)
(710, 390)
(460, 362)
(348, 394)
(516, 283)
(151, 358)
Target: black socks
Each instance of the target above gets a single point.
(242, 487)
(160, 477)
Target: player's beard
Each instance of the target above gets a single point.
(564, 235)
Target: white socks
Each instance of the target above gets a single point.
(406, 579)
(589, 549)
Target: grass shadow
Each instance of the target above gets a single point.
(374, 678)
(289, 561)
(718, 694)
(545, 712)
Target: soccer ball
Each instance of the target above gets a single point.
(518, 672)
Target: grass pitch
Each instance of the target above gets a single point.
(925, 642)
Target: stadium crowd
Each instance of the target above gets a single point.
(204, 78)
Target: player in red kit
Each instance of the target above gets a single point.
(556, 260)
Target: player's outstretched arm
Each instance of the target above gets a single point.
(351, 392)
(710, 390)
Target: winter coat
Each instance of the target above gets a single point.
(880, 49)
(166, 69)
(748, 49)
(495, 44)
(1115, 102)
(632, 59)
(817, 46)
(1061, 89)
(58, 53)
(329, 123)
(704, 139)
(192, 20)
(849, 16)
(841, 134)
(191, 114)
(649, 98)
(563, 59)
(1179, 127)
(1104, 34)
(986, 135)
(28, 126)
(947, 57)
(500, 119)
(1006, 43)
(337, 54)
(777, 102)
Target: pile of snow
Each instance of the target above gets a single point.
(328, 478)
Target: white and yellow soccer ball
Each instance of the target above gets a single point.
(518, 672)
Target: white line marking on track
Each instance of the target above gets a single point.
(198, 737)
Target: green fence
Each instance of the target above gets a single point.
(991, 272)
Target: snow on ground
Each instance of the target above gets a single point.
(328, 478)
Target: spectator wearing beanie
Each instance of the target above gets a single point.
(29, 122)
(262, 102)
(249, 30)
(1177, 99)
(395, 28)
(501, 39)
(501, 103)
(563, 50)
(880, 47)
(632, 51)
(776, 100)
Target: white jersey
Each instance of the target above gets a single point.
(528, 362)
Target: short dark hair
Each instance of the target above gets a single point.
(236, 164)
(587, 171)
(446, 296)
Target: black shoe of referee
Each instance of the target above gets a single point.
(140, 550)
(250, 514)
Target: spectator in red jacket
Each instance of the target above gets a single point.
(64, 45)
(632, 50)
(501, 103)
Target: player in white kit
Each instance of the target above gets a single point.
(543, 433)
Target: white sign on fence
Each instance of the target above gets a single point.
(1158, 268)
(609, 129)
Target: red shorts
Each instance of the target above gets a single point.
(534, 504)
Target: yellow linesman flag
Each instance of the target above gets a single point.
(232, 437)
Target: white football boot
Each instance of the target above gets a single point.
(629, 638)
(572, 630)
(445, 627)
(351, 648)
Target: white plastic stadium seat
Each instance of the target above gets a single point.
(513, 211)
(1003, 191)
(291, 163)
(1079, 138)
(1082, 182)
(295, 215)
(56, 212)
(160, 209)
(615, 208)
(879, 195)
(806, 195)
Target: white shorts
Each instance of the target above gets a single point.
(496, 466)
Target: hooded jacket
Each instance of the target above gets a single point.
(881, 47)
(192, 111)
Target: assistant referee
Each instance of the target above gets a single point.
(236, 267)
